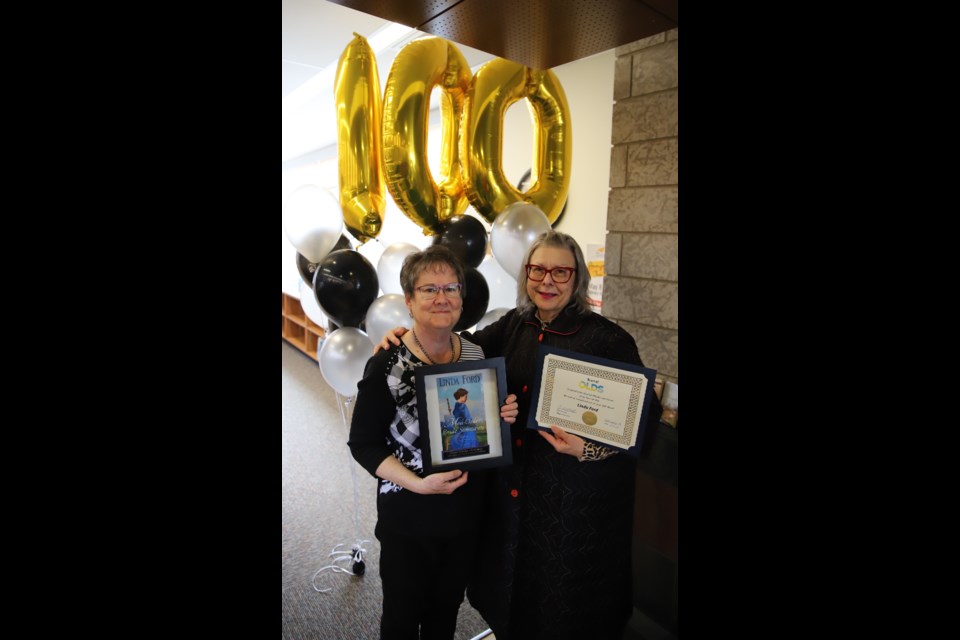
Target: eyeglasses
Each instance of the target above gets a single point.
(430, 291)
(560, 275)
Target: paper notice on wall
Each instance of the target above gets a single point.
(594, 257)
(671, 393)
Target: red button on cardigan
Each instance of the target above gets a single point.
(514, 493)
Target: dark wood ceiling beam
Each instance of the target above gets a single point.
(538, 33)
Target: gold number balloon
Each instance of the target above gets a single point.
(496, 85)
(357, 93)
(420, 67)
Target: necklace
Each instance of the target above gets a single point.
(429, 359)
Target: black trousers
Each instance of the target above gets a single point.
(423, 585)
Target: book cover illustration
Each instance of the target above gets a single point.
(463, 423)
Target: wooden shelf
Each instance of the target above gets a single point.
(297, 329)
(297, 320)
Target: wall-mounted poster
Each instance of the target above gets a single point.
(595, 264)
(671, 393)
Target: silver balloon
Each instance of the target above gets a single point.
(342, 358)
(386, 313)
(308, 300)
(313, 221)
(513, 231)
(388, 267)
(491, 316)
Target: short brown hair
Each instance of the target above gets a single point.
(434, 255)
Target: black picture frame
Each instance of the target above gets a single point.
(475, 439)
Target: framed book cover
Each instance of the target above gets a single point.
(458, 405)
(601, 400)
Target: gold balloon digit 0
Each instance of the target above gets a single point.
(387, 146)
(419, 67)
(496, 85)
(357, 94)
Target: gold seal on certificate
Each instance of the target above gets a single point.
(602, 400)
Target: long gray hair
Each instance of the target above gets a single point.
(581, 277)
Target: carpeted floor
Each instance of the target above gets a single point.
(328, 500)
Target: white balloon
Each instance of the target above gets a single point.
(308, 300)
(513, 231)
(342, 358)
(313, 221)
(491, 316)
(502, 285)
(385, 313)
(289, 272)
(388, 268)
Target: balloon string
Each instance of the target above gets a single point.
(355, 554)
(346, 416)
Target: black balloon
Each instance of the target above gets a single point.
(306, 269)
(466, 237)
(342, 243)
(475, 300)
(345, 285)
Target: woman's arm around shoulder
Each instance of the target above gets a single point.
(493, 336)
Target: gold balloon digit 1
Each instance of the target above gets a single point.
(496, 85)
(419, 67)
(357, 94)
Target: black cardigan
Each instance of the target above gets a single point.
(558, 532)
(371, 441)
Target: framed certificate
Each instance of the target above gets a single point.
(601, 400)
(459, 409)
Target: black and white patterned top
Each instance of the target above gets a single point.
(385, 423)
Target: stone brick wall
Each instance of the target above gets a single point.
(640, 285)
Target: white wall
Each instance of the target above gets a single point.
(588, 84)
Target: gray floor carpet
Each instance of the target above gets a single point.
(327, 500)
